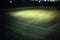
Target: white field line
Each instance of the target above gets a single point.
(36, 26)
(53, 25)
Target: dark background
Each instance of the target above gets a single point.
(18, 3)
